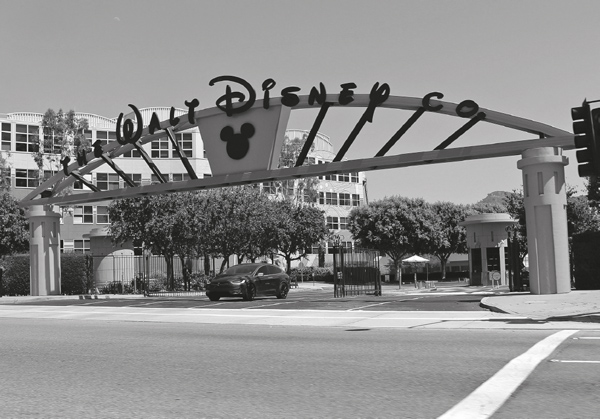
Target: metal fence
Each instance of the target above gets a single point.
(126, 274)
(355, 272)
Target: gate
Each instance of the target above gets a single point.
(355, 272)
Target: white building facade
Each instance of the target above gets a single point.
(19, 134)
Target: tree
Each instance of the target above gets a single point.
(301, 190)
(297, 227)
(593, 192)
(395, 226)
(14, 228)
(516, 208)
(581, 216)
(4, 172)
(446, 236)
(162, 223)
(62, 135)
(239, 224)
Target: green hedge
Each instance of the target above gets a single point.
(16, 275)
(76, 274)
(320, 274)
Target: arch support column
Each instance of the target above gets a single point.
(545, 201)
(44, 250)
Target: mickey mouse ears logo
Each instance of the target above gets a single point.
(244, 142)
(238, 144)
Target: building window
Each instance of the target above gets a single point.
(333, 223)
(107, 181)
(105, 136)
(26, 178)
(180, 177)
(80, 185)
(160, 148)
(269, 188)
(354, 177)
(321, 198)
(135, 177)
(344, 177)
(6, 137)
(83, 214)
(344, 199)
(102, 215)
(331, 198)
(355, 200)
(81, 246)
(134, 152)
(27, 138)
(343, 223)
(185, 143)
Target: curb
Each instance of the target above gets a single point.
(495, 309)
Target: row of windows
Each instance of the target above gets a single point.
(75, 246)
(27, 139)
(341, 177)
(329, 248)
(28, 178)
(84, 214)
(342, 199)
(337, 223)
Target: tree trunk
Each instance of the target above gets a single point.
(225, 260)
(170, 275)
(443, 262)
(206, 264)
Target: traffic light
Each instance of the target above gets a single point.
(586, 126)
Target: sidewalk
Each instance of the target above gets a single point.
(578, 305)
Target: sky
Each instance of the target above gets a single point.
(532, 59)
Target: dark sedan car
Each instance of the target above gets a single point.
(249, 280)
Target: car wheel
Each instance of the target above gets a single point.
(213, 297)
(283, 290)
(250, 292)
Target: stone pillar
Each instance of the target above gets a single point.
(545, 201)
(44, 250)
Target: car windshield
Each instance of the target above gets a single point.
(240, 269)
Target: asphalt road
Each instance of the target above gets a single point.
(117, 369)
(297, 300)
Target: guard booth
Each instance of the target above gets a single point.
(487, 240)
(355, 272)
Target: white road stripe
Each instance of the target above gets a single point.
(370, 305)
(574, 362)
(491, 395)
(269, 305)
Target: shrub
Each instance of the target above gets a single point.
(76, 273)
(320, 274)
(16, 275)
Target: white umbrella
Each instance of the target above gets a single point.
(415, 259)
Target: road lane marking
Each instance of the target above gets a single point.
(565, 361)
(370, 305)
(491, 395)
(269, 305)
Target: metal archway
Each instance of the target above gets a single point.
(548, 136)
